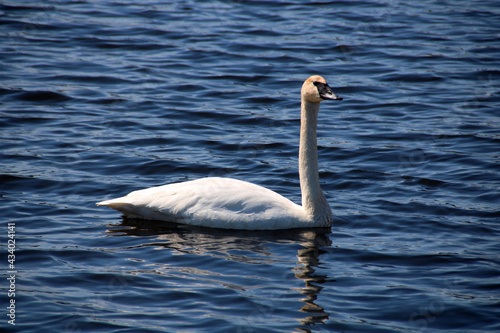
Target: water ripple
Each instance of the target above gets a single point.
(99, 99)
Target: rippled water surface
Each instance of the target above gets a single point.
(100, 98)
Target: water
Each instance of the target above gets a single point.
(102, 98)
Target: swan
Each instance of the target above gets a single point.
(228, 203)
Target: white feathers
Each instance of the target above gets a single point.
(215, 202)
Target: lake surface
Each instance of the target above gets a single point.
(101, 98)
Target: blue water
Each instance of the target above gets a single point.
(101, 98)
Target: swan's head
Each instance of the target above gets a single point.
(315, 89)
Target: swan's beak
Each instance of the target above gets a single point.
(331, 96)
(325, 92)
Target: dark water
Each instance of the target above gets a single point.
(101, 98)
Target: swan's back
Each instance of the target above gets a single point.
(214, 202)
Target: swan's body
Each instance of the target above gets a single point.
(234, 204)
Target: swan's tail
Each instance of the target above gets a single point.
(136, 210)
(119, 204)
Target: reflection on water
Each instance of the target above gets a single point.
(309, 259)
(191, 240)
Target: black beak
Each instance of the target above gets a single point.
(325, 92)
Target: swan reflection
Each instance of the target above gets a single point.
(234, 245)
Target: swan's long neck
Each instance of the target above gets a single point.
(313, 199)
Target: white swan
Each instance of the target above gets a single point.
(234, 204)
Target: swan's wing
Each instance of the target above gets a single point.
(213, 202)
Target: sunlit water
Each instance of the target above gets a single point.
(101, 98)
